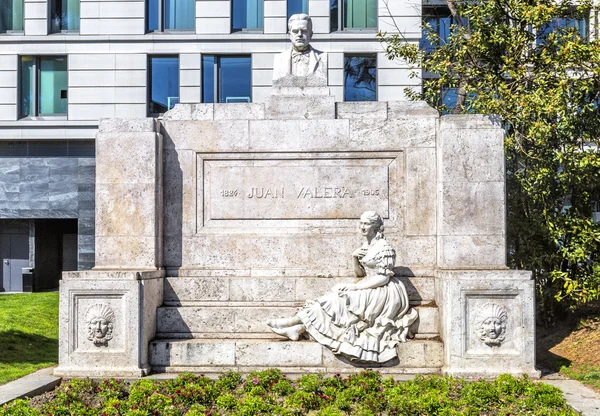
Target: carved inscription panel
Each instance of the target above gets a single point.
(283, 189)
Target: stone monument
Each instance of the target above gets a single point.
(222, 219)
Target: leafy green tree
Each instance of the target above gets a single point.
(532, 63)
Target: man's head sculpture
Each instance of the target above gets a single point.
(490, 324)
(100, 320)
(300, 28)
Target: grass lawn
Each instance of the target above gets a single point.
(28, 333)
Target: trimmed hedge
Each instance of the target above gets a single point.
(272, 393)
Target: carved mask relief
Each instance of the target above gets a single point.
(490, 324)
(100, 320)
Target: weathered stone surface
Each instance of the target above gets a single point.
(126, 209)
(470, 121)
(393, 134)
(482, 295)
(190, 112)
(127, 252)
(181, 353)
(274, 354)
(475, 155)
(410, 109)
(472, 251)
(132, 306)
(239, 111)
(299, 135)
(129, 205)
(126, 125)
(473, 209)
(421, 185)
(362, 110)
(127, 157)
(181, 289)
(273, 289)
(300, 107)
(207, 136)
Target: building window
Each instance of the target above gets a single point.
(64, 16)
(226, 79)
(439, 22)
(11, 16)
(353, 14)
(171, 15)
(296, 7)
(163, 85)
(247, 15)
(43, 86)
(47, 148)
(580, 24)
(360, 82)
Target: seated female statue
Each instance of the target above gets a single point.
(363, 321)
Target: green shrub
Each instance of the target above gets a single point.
(252, 405)
(18, 408)
(227, 401)
(229, 380)
(282, 387)
(271, 393)
(197, 410)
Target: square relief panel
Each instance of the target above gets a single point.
(99, 323)
(493, 324)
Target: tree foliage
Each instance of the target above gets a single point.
(509, 57)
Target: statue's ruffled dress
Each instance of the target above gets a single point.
(367, 324)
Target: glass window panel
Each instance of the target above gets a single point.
(82, 148)
(360, 14)
(64, 15)
(441, 25)
(11, 15)
(296, 6)
(580, 24)
(360, 83)
(247, 14)
(333, 15)
(71, 15)
(208, 78)
(180, 14)
(55, 16)
(164, 83)
(52, 95)
(152, 13)
(235, 79)
(47, 148)
(27, 86)
(13, 149)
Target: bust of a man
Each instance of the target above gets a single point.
(301, 60)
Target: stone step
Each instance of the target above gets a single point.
(218, 355)
(215, 321)
(187, 290)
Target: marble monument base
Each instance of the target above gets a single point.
(122, 302)
(259, 213)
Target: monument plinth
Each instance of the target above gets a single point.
(221, 218)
